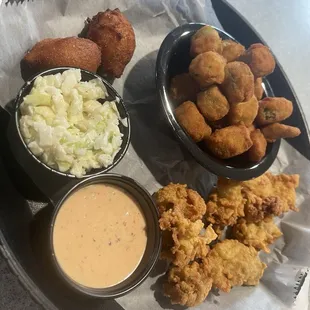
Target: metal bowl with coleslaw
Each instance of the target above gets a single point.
(73, 122)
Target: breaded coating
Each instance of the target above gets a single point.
(225, 204)
(180, 198)
(183, 87)
(188, 241)
(221, 123)
(254, 199)
(191, 120)
(258, 235)
(207, 69)
(251, 128)
(114, 34)
(188, 286)
(212, 104)
(238, 85)
(277, 131)
(229, 141)
(258, 149)
(231, 263)
(258, 88)
(273, 110)
(269, 195)
(259, 59)
(231, 50)
(61, 52)
(206, 39)
(243, 112)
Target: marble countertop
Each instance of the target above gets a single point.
(285, 26)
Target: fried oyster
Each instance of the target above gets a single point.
(231, 263)
(258, 235)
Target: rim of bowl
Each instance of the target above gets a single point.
(99, 292)
(19, 98)
(207, 161)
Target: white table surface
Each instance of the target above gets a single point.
(285, 26)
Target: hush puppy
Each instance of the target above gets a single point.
(258, 88)
(258, 149)
(238, 85)
(277, 130)
(114, 34)
(207, 69)
(192, 121)
(243, 112)
(273, 110)
(259, 59)
(204, 40)
(183, 87)
(232, 50)
(229, 141)
(212, 104)
(61, 52)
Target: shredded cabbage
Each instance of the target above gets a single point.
(65, 125)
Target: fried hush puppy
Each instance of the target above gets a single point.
(192, 121)
(229, 141)
(238, 85)
(243, 112)
(205, 39)
(231, 263)
(276, 131)
(258, 149)
(258, 88)
(207, 69)
(61, 52)
(232, 50)
(116, 38)
(259, 59)
(183, 87)
(258, 235)
(212, 104)
(179, 197)
(188, 286)
(273, 110)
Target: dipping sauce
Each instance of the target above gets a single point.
(99, 235)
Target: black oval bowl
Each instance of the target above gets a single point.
(153, 245)
(174, 58)
(113, 95)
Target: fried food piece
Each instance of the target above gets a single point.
(259, 59)
(251, 128)
(206, 39)
(231, 263)
(269, 195)
(114, 34)
(229, 141)
(225, 204)
(188, 286)
(238, 85)
(61, 52)
(212, 104)
(180, 198)
(277, 131)
(254, 199)
(188, 242)
(258, 235)
(243, 112)
(192, 121)
(207, 69)
(258, 88)
(273, 110)
(183, 87)
(258, 149)
(231, 50)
